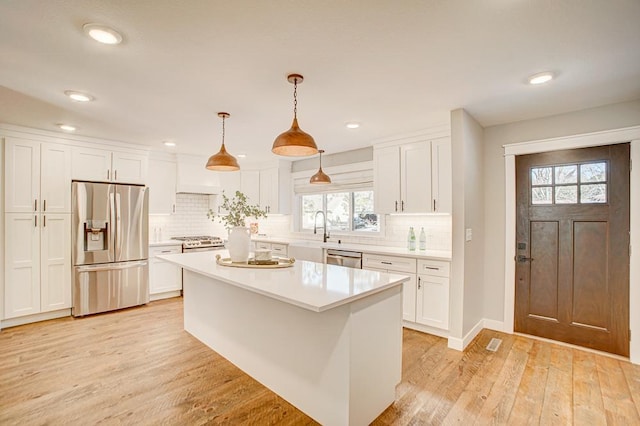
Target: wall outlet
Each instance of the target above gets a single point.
(468, 234)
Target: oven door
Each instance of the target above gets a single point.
(195, 249)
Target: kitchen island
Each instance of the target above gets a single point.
(326, 338)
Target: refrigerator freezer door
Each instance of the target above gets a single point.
(101, 288)
(92, 223)
(132, 223)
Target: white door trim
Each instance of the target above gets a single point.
(610, 137)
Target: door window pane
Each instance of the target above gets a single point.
(364, 219)
(596, 193)
(338, 209)
(310, 205)
(594, 172)
(541, 176)
(566, 194)
(566, 174)
(541, 195)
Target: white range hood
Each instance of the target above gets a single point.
(194, 178)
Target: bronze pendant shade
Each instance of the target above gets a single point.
(320, 178)
(294, 142)
(222, 161)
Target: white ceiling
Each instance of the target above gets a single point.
(397, 67)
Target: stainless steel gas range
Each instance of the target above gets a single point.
(200, 243)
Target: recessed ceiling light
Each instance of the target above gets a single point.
(79, 96)
(67, 127)
(352, 125)
(541, 78)
(169, 143)
(102, 33)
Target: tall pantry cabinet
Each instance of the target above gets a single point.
(37, 209)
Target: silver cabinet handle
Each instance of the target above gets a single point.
(419, 283)
(36, 221)
(434, 205)
(433, 268)
(35, 205)
(396, 205)
(402, 205)
(108, 174)
(174, 208)
(115, 175)
(44, 221)
(165, 251)
(386, 263)
(44, 205)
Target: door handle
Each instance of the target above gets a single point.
(522, 258)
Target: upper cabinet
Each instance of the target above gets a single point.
(162, 186)
(37, 177)
(109, 166)
(413, 177)
(269, 188)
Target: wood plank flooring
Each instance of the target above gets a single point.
(139, 367)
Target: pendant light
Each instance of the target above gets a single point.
(223, 161)
(321, 177)
(294, 142)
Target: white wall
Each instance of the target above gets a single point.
(467, 266)
(591, 120)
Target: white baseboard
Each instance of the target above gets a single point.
(28, 319)
(460, 344)
(494, 325)
(165, 295)
(425, 329)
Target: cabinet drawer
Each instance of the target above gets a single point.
(436, 268)
(261, 245)
(154, 251)
(279, 249)
(390, 263)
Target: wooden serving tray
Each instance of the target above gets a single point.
(277, 262)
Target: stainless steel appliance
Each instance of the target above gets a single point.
(200, 243)
(351, 259)
(110, 235)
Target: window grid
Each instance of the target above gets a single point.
(544, 187)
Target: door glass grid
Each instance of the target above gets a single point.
(569, 184)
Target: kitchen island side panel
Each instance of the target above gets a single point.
(324, 363)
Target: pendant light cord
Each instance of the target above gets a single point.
(223, 118)
(295, 98)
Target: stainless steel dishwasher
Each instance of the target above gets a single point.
(351, 259)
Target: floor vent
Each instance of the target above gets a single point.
(494, 344)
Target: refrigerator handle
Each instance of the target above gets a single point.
(118, 240)
(112, 266)
(112, 220)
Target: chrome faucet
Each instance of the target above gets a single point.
(325, 233)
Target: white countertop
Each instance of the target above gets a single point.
(309, 285)
(364, 248)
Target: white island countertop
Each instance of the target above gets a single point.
(313, 286)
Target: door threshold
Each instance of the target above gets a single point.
(570, 345)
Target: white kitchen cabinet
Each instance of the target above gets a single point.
(108, 166)
(164, 278)
(277, 249)
(401, 265)
(162, 186)
(37, 177)
(432, 307)
(37, 263)
(413, 177)
(269, 188)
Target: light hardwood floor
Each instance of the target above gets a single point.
(139, 367)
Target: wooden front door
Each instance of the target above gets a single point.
(572, 248)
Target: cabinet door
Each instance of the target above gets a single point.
(22, 265)
(441, 175)
(433, 301)
(22, 174)
(91, 164)
(250, 185)
(386, 179)
(409, 289)
(55, 262)
(164, 276)
(162, 187)
(415, 177)
(129, 168)
(269, 190)
(55, 178)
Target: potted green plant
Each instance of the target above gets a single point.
(236, 211)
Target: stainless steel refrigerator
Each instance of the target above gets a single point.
(110, 235)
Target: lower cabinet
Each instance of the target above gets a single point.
(277, 249)
(432, 306)
(425, 297)
(165, 279)
(37, 263)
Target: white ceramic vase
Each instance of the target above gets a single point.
(239, 244)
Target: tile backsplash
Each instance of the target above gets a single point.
(191, 219)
